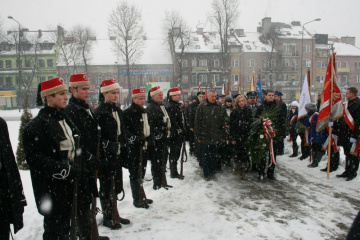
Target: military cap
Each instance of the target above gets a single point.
(251, 94)
(277, 93)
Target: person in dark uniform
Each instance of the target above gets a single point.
(189, 133)
(200, 96)
(12, 199)
(278, 121)
(293, 115)
(113, 143)
(282, 129)
(138, 128)
(49, 146)
(252, 103)
(177, 135)
(160, 126)
(221, 99)
(84, 119)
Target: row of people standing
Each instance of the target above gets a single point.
(110, 139)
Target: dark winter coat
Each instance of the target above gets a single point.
(240, 121)
(292, 126)
(314, 136)
(253, 108)
(110, 141)
(87, 125)
(283, 108)
(134, 128)
(41, 138)
(209, 123)
(278, 121)
(177, 119)
(345, 133)
(158, 127)
(11, 188)
(192, 112)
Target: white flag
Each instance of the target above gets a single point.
(304, 98)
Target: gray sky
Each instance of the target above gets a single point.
(338, 18)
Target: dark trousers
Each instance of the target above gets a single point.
(242, 157)
(209, 159)
(4, 225)
(224, 154)
(279, 147)
(135, 179)
(352, 162)
(295, 146)
(266, 164)
(175, 151)
(305, 150)
(354, 233)
(156, 155)
(57, 225)
(191, 142)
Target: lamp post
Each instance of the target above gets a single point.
(302, 50)
(18, 59)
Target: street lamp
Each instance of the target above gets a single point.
(302, 46)
(18, 59)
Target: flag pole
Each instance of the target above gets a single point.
(330, 112)
(308, 80)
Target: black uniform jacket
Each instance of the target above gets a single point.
(11, 184)
(158, 128)
(240, 121)
(41, 138)
(177, 121)
(343, 129)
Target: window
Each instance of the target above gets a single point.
(1, 81)
(285, 77)
(320, 64)
(356, 78)
(338, 64)
(249, 78)
(202, 78)
(203, 63)
(235, 63)
(161, 79)
(41, 63)
(215, 63)
(50, 77)
(345, 64)
(50, 63)
(293, 64)
(263, 63)
(251, 63)
(19, 63)
(306, 63)
(273, 63)
(185, 79)
(184, 63)
(9, 81)
(286, 48)
(357, 64)
(235, 78)
(320, 79)
(216, 77)
(194, 80)
(306, 48)
(42, 78)
(285, 62)
(193, 63)
(1, 64)
(8, 64)
(343, 79)
(98, 79)
(27, 63)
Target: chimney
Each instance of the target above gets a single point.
(39, 33)
(266, 26)
(348, 40)
(60, 31)
(239, 32)
(199, 30)
(259, 29)
(144, 37)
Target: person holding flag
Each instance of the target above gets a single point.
(349, 138)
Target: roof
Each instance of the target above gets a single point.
(251, 43)
(290, 31)
(344, 49)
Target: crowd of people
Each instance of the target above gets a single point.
(68, 146)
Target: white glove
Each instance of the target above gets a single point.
(352, 140)
(334, 136)
(330, 124)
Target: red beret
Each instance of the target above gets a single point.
(79, 79)
(52, 86)
(108, 85)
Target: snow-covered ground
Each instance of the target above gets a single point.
(301, 204)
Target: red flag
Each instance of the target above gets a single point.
(337, 107)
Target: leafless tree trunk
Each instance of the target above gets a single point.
(224, 16)
(178, 37)
(125, 24)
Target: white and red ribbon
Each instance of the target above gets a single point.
(269, 133)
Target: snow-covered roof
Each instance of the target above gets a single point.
(291, 32)
(251, 43)
(344, 49)
(154, 52)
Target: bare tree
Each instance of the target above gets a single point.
(76, 48)
(178, 37)
(125, 24)
(224, 16)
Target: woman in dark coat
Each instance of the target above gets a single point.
(240, 121)
(12, 199)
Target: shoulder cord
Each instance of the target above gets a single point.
(63, 174)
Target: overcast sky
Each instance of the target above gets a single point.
(338, 18)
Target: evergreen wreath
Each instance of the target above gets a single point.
(257, 144)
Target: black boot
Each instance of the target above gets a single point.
(109, 221)
(343, 175)
(295, 154)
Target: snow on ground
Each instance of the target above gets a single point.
(301, 204)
